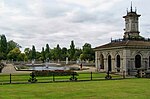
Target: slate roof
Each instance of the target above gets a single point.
(125, 43)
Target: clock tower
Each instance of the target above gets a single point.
(131, 24)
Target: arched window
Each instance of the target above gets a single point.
(149, 61)
(137, 61)
(101, 61)
(109, 63)
(118, 63)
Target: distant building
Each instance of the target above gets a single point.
(128, 54)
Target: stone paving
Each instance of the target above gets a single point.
(9, 68)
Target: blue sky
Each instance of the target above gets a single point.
(41, 22)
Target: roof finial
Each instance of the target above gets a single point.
(135, 9)
(131, 6)
(127, 10)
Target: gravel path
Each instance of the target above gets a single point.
(9, 68)
(85, 68)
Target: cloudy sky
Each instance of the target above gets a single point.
(41, 22)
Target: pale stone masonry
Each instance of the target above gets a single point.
(128, 54)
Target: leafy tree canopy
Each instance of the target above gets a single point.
(33, 52)
(3, 44)
(13, 54)
(11, 45)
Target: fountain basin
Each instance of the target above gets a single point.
(48, 68)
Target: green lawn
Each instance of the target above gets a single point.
(23, 78)
(104, 89)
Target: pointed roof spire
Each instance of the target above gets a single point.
(131, 6)
(135, 9)
(127, 10)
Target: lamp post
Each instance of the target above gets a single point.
(108, 76)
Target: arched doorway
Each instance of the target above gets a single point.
(101, 61)
(137, 61)
(109, 63)
(118, 63)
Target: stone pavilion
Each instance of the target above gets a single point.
(128, 54)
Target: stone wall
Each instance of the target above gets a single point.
(127, 59)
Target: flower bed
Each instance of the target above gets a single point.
(55, 73)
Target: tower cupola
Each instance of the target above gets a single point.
(131, 24)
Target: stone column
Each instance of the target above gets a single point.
(126, 54)
(105, 64)
(113, 65)
(96, 59)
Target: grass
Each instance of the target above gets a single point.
(5, 78)
(23, 78)
(105, 89)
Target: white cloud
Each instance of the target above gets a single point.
(38, 22)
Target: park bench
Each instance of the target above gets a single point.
(147, 74)
(43, 73)
(142, 73)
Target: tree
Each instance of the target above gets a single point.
(27, 52)
(56, 53)
(64, 53)
(3, 44)
(47, 52)
(13, 54)
(88, 52)
(38, 56)
(33, 53)
(53, 54)
(22, 57)
(3, 47)
(77, 54)
(72, 50)
(2, 56)
(11, 45)
(43, 55)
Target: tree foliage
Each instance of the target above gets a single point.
(33, 53)
(28, 53)
(47, 52)
(3, 44)
(3, 47)
(22, 57)
(56, 53)
(11, 45)
(6, 48)
(43, 55)
(88, 52)
(64, 53)
(72, 51)
(77, 54)
(13, 54)
(38, 56)
(11, 50)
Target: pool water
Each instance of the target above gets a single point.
(49, 68)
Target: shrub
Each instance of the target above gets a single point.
(56, 73)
